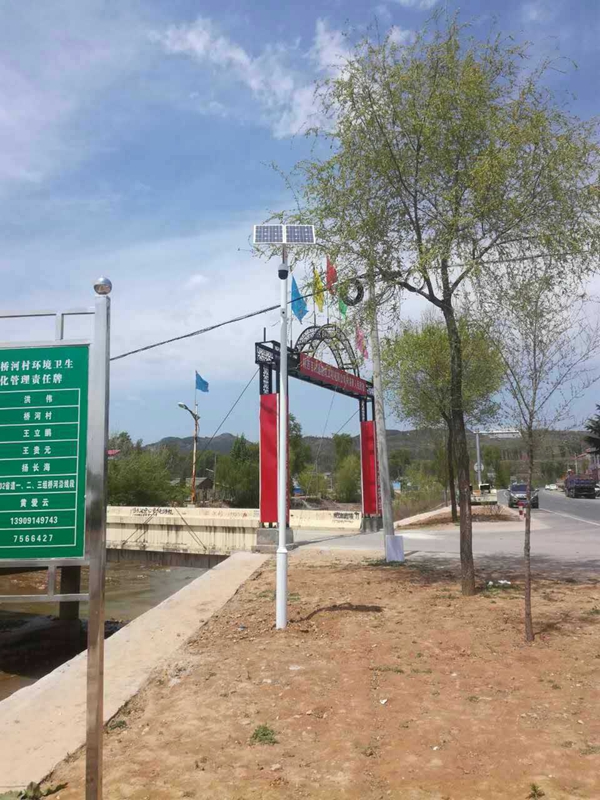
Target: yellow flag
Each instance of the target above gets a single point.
(318, 290)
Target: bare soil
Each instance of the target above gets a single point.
(478, 513)
(386, 684)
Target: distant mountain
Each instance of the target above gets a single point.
(420, 443)
(220, 444)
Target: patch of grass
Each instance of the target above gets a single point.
(590, 750)
(556, 686)
(33, 792)
(381, 562)
(535, 792)
(369, 751)
(416, 671)
(386, 668)
(472, 698)
(593, 612)
(117, 725)
(263, 734)
(568, 744)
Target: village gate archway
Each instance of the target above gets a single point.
(343, 378)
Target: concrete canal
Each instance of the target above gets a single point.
(32, 642)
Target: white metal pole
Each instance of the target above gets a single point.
(282, 489)
(96, 531)
(478, 459)
(387, 507)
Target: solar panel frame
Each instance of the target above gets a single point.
(269, 234)
(300, 234)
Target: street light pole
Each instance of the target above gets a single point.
(282, 552)
(478, 459)
(196, 419)
(194, 455)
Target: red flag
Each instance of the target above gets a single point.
(331, 276)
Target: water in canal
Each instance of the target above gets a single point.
(131, 589)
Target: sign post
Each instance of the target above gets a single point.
(43, 442)
(96, 528)
(53, 439)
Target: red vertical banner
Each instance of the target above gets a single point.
(368, 464)
(268, 457)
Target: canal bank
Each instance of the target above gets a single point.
(32, 640)
(31, 750)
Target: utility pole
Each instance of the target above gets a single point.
(393, 544)
(196, 419)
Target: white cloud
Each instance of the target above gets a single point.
(54, 58)
(423, 5)
(538, 11)
(276, 78)
(400, 35)
(330, 49)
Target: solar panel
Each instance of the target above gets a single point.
(300, 234)
(268, 234)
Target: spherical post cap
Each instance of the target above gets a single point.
(103, 286)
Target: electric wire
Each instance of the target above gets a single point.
(225, 418)
(347, 421)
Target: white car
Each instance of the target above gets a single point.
(551, 487)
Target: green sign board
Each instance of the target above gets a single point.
(43, 436)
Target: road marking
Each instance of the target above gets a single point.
(570, 516)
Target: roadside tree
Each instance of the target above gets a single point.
(546, 335)
(418, 379)
(445, 157)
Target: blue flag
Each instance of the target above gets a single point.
(201, 384)
(298, 302)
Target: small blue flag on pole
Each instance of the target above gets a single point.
(201, 384)
(298, 302)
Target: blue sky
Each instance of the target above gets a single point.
(135, 141)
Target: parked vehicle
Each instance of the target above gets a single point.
(551, 487)
(580, 486)
(485, 496)
(517, 493)
(598, 490)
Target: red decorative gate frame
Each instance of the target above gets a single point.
(310, 369)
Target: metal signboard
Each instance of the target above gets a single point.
(43, 437)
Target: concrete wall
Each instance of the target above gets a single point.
(41, 724)
(207, 531)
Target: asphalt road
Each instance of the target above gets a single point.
(558, 503)
(565, 539)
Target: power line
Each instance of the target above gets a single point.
(195, 333)
(225, 418)
(347, 421)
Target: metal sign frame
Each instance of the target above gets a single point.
(51, 595)
(95, 516)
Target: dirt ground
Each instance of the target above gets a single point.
(479, 514)
(386, 684)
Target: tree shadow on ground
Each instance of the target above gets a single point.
(430, 569)
(361, 609)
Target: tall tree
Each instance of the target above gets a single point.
(593, 426)
(546, 339)
(447, 157)
(300, 453)
(417, 366)
(343, 446)
(142, 479)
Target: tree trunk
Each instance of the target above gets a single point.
(462, 452)
(451, 477)
(529, 635)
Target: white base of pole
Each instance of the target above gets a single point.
(281, 589)
(394, 548)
